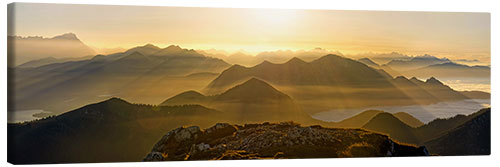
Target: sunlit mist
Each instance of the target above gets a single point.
(463, 35)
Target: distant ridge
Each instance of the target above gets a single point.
(326, 70)
(36, 47)
(416, 62)
(67, 36)
(451, 70)
(368, 62)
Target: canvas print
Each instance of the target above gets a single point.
(104, 83)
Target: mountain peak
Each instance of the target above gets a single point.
(401, 78)
(235, 67)
(151, 46)
(67, 36)
(450, 64)
(115, 100)
(252, 89)
(430, 57)
(368, 62)
(147, 49)
(296, 60)
(414, 79)
(265, 62)
(408, 119)
(98, 57)
(433, 80)
(191, 93)
(134, 56)
(173, 48)
(330, 56)
(255, 81)
(390, 124)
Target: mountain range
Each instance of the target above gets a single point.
(338, 81)
(147, 74)
(279, 56)
(383, 58)
(416, 62)
(24, 49)
(427, 66)
(329, 70)
(193, 89)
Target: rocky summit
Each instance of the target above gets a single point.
(275, 141)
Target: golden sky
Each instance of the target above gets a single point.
(453, 35)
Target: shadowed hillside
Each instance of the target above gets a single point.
(115, 126)
(438, 127)
(470, 134)
(395, 128)
(110, 131)
(363, 118)
(358, 120)
(470, 138)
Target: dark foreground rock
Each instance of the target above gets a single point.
(270, 141)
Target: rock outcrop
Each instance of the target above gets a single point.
(275, 141)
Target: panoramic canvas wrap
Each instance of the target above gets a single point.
(102, 83)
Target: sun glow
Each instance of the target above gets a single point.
(452, 35)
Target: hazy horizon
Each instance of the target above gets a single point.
(442, 34)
